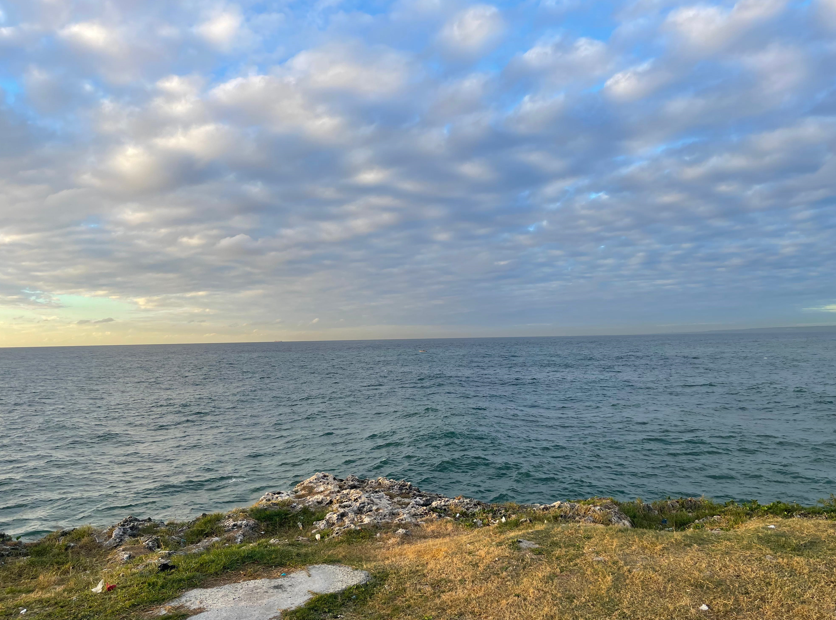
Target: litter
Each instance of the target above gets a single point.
(98, 589)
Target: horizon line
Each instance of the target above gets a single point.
(183, 344)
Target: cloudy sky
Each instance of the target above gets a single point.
(272, 170)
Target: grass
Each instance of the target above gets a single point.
(683, 512)
(736, 564)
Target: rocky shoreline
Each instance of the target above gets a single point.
(348, 504)
(353, 503)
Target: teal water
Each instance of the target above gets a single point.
(90, 435)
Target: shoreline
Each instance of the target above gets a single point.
(424, 555)
(324, 490)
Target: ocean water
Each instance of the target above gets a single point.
(90, 435)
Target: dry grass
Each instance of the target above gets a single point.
(445, 571)
(589, 572)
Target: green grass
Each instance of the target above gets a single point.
(443, 570)
(338, 604)
(278, 519)
(205, 526)
(683, 512)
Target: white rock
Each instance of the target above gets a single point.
(264, 599)
(705, 607)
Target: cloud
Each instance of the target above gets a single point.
(90, 35)
(708, 28)
(563, 61)
(637, 82)
(472, 30)
(427, 167)
(95, 322)
(826, 11)
(351, 69)
(222, 28)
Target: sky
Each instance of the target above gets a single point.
(210, 171)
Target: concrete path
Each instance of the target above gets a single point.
(264, 599)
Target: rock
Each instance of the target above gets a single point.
(163, 565)
(152, 543)
(200, 547)
(605, 513)
(705, 607)
(125, 557)
(128, 527)
(245, 524)
(12, 550)
(240, 526)
(357, 502)
(402, 532)
(264, 599)
(527, 544)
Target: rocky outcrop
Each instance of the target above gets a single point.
(355, 502)
(129, 527)
(604, 513)
(11, 548)
(240, 526)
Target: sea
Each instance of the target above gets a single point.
(93, 434)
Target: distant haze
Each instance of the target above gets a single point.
(272, 170)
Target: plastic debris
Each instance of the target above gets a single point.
(502, 519)
(317, 537)
(771, 527)
(22, 611)
(705, 607)
(98, 589)
(110, 586)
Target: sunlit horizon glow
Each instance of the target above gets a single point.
(273, 170)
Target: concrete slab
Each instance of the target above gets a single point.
(264, 599)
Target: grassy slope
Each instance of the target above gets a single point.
(736, 564)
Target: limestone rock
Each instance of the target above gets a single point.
(129, 527)
(355, 502)
(264, 599)
(605, 513)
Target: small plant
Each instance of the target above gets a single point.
(334, 605)
(204, 526)
(276, 519)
